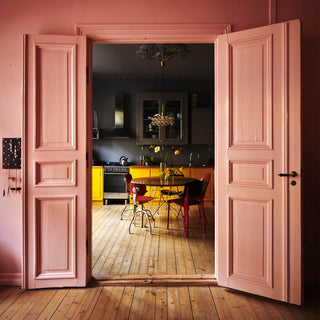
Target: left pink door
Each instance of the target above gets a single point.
(55, 165)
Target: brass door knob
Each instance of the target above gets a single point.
(291, 174)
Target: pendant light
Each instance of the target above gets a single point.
(152, 52)
(160, 119)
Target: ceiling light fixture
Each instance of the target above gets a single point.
(162, 120)
(162, 52)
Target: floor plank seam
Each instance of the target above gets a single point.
(101, 241)
(114, 240)
(96, 302)
(123, 239)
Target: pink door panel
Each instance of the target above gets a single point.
(55, 76)
(253, 232)
(55, 162)
(55, 222)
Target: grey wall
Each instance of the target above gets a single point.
(104, 91)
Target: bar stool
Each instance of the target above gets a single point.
(138, 196)
(127, 179)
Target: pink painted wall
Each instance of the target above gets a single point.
(60, 17)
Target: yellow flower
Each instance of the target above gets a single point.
(176, 152)
(156, 149)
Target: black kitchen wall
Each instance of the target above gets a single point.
(104, 93)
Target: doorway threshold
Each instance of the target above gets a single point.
(159, 280)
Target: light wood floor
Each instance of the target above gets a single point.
(165, 252)
(148, 303)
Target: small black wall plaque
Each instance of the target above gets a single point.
(11, 153)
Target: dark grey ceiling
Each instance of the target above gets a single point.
(121, 61)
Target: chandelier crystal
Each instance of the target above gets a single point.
(162, 120)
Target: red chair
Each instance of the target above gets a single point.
(205, 179)
(192, 195)
(138, 196)
(127, 179)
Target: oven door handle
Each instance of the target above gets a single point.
(116, 172)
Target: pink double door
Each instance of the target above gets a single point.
(257, 130)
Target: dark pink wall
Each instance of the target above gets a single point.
(60, 17)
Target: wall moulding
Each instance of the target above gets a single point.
(10, 279)
(146, 33)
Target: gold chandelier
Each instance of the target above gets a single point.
(162, 120)
(152, 52)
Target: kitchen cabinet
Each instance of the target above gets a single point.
(139, 172)
(149, 104)
(97, 185)
(198, 173)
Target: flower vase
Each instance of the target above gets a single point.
(162, 170)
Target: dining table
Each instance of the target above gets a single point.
(173, 181)
(158, 182)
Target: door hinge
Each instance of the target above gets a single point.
(87, 71)
(87, 245)
(87, 159)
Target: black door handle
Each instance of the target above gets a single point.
(291, 174)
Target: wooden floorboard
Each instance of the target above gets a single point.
(125, 303)
(165, 252)
(161, 309)
(130, 302)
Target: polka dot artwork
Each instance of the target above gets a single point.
(11, 153)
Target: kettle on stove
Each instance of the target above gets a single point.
(123, 161)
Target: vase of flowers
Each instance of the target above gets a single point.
(164, 158)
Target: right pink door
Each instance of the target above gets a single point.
(258, 212)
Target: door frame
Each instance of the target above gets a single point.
(146, 33)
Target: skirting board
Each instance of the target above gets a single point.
(10, 279)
